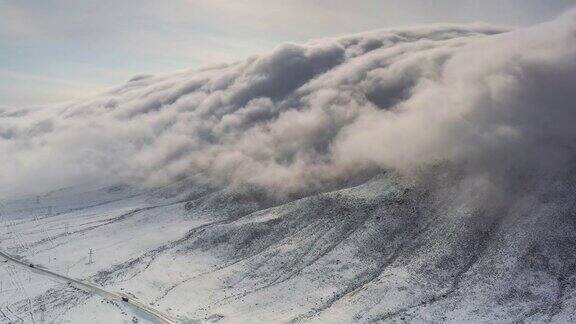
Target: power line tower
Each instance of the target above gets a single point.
(2, 213)
(90, 253)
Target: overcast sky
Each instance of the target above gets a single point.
(57, 50)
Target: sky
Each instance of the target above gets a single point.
(59, 50)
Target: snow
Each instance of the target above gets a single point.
(383, 250)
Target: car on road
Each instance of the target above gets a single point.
(124, 299)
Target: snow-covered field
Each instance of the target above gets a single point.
(383, 250)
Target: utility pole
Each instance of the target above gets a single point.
(90, 261)
(66, 228)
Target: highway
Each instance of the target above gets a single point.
(151, 312)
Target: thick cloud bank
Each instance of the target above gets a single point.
(305, 116)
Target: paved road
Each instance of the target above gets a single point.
(153, 313)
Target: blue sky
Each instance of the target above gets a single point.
(58, 50)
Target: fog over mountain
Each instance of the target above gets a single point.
(304, 116)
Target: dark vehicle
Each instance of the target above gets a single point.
(31, 265)
(125, 299)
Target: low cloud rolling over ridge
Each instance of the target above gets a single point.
(305, 116)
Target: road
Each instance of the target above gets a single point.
(151, 312)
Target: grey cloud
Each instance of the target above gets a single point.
(304, 117)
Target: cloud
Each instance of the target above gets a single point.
(99, 44)
(304, 117)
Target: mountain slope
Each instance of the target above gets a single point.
(379, 251)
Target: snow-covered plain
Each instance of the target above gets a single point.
(420, 175)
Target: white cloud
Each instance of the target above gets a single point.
(303, 117)
(67, 39)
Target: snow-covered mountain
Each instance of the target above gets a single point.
(419, 175)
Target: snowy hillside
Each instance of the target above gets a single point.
(420, 175)
(378, 251)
